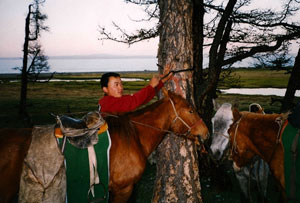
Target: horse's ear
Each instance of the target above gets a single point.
(216, 105)
(165, 92)
(236, 114)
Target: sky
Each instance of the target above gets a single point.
(74, 26)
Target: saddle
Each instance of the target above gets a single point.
(81, 133)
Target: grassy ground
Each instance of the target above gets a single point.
(253, 78)
(63, 97)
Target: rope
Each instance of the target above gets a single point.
(234, 145)
(178, 117)
(144, 124)
(279, 121)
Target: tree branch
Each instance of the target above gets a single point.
(262, 48)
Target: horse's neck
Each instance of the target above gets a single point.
(268, 133)
(152, 126)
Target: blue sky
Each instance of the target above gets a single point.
(73, 27)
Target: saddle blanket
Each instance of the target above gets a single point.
(288, 136)
(78, 173)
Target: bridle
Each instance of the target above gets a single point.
(186, 134)
(226, 152)
(184, 123)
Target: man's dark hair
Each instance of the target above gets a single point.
(105, 78)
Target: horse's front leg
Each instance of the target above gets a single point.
(121, 195)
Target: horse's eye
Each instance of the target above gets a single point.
(191, 111)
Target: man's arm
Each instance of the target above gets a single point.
(131, 102)
(128, 102)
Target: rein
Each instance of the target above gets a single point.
(281, 122)
(234, 145)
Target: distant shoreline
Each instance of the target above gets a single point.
(92, 56)
(88, 64)
(44, 75)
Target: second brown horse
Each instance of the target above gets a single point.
(257, 134)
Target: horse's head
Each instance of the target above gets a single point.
(241, 146)
(221, 123)
(185, 119)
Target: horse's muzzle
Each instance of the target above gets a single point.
(203, 138)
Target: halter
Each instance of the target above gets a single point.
(234, 144)
(187, 134)
(178, 117)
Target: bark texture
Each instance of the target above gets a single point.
(177, 178)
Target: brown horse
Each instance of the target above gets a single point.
(135, 135)
(136, 139)
(14, 144)
(258, 134)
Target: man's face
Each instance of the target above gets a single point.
(114, 87)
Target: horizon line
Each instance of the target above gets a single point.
(88, 56)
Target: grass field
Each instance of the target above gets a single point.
(254, 78)
(61, 97)
(81, 97)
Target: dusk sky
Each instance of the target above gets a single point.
(74, 27)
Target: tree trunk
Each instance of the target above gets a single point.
(293, 85)
(216, 61)
(24, 79)
(177, 178)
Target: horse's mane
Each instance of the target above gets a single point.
(122, 123)
(141, 111)
(176, 98)
(251, 115)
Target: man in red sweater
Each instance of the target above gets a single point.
(115, 102)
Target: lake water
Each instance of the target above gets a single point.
(87, 65)
(259, 91)
(122, 64)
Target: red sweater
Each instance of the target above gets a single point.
(128, 102)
